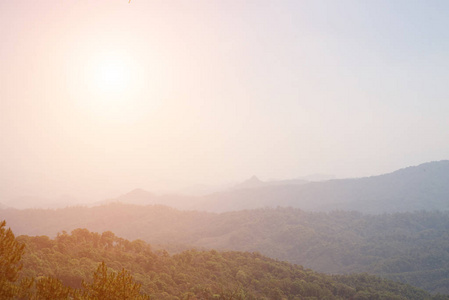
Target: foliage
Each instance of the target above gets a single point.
(111, 286)
(192, 274)
(10, 254)
(409, 247)
(50, 288)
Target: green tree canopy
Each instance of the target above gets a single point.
(10, 254)
(110, 286)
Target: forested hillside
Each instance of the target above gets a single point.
(76, 265)
(410, 247)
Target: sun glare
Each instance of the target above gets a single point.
(110, 85)
(111, 74)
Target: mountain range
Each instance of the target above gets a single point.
(400, 230)
(423, 187)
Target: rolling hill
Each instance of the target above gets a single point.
(423, 187)
(410, 247)
(191, 274)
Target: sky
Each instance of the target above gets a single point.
(100, 97)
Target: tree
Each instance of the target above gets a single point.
(10, 254)
(110, 286)
(50, 288)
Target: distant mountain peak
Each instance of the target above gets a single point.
(252, 182)
(254, 179)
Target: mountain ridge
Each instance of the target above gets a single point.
(407, 189)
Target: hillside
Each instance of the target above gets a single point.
(423, 187)
(411, 247)
(192, 274)
(255, 182)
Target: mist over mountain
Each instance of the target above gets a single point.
(413, 188)
(38, 202)
(255, 182)
(409, 246)
(423, 187)
(142, 197)
(317, 177)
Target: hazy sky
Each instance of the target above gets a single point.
(100, 97)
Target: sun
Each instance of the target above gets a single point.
(111, 85)
(111, 74)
